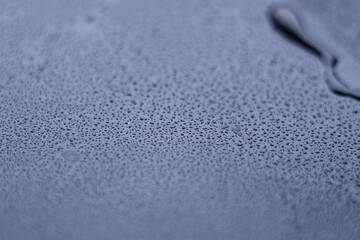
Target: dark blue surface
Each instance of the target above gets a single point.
(173, 120)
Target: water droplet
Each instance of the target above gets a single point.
(341, 75)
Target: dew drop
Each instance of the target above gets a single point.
(341, 76)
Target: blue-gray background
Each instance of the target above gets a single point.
(166, 119)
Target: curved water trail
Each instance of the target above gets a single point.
(338, 73)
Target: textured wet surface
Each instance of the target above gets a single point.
(173, 120)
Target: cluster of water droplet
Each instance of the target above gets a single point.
(152, 119)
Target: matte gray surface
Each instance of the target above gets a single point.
(173, 120)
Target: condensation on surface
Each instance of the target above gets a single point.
(169, 120)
